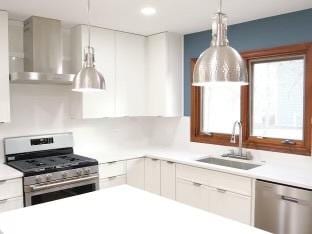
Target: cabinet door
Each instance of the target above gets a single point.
(192, 193)
(136, 173)
(4, 68)
(168, 179)
(152, 175)
(164, 72)
(156, 73)
(89, 104)
(130, 75)
(230, 205)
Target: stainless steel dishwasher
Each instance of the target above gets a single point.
(283, 209)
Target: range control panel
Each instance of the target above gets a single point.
(42, 141)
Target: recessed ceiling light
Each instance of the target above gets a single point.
(148, 11)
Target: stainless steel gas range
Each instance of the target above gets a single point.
(51, 169)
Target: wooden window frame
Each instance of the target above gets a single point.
(271, 144)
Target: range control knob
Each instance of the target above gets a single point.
(48, 177)
(64, 175)
(86, 171)
(39, 179)
(79, 172)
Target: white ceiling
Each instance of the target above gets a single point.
(184, 16)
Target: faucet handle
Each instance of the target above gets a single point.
(233, 139)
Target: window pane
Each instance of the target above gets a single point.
(277, 99)
(220, 108)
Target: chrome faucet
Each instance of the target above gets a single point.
(239, 153)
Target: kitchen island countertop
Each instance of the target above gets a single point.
(121, 209)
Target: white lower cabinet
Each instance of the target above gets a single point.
(11, 194)
(152, 175)
(112, 181)
(11, 204)
(136, 173)
(168, 179)
(215, 192)
(230, 205)
(112, 174)
(11, 188)
(192, 193)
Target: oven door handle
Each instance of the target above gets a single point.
(48, 186)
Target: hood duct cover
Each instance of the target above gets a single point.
(43, 53)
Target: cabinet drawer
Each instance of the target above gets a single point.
(112, 169)
(11, 204)
(112, 181)
(221, 180)
(230, 205)
(192, 194)
(11, 188)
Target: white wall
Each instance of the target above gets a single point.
(41, 109)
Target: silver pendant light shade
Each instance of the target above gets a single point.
(220, 64)
(88, 78)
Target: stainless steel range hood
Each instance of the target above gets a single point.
(43, 54)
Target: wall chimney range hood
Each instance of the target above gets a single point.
(43, 54)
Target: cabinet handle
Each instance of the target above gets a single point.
(155, 159)
(221, 190)
(111, 162)
(2, 181)
(169, 162)
(290, 199)
(196, 184)
(3, 201)
(112, 177)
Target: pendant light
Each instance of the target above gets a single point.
(220, 64)
(88, 78)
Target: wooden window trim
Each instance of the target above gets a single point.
(270, 144)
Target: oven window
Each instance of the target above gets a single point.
(46, 197)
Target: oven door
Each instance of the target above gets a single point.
(36, 194)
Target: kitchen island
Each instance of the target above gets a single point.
(121, 209)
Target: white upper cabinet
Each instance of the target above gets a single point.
(102, 104)
(143, 74)
(164, 73)
(130, 75)
(4, 69)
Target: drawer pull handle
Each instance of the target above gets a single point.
(2, 181)
(290, 199)
(112, 177)
(111, 162)
(155, 159)
(3, 201)
(196, 184)
(169, 162)
(221, 190)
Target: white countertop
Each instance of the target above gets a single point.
(7, 172)
(117, 210)
(297, 172)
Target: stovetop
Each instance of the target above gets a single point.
(35, 166)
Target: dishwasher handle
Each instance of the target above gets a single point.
(289, 199)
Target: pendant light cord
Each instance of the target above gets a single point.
(220, 6)
(89, 29)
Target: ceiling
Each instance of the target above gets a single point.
(183, 16)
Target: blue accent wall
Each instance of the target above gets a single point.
(291, 28)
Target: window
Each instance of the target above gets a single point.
(277, 98)
(275, 108)
(220, 109)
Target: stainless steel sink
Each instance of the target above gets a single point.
(228, 163)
